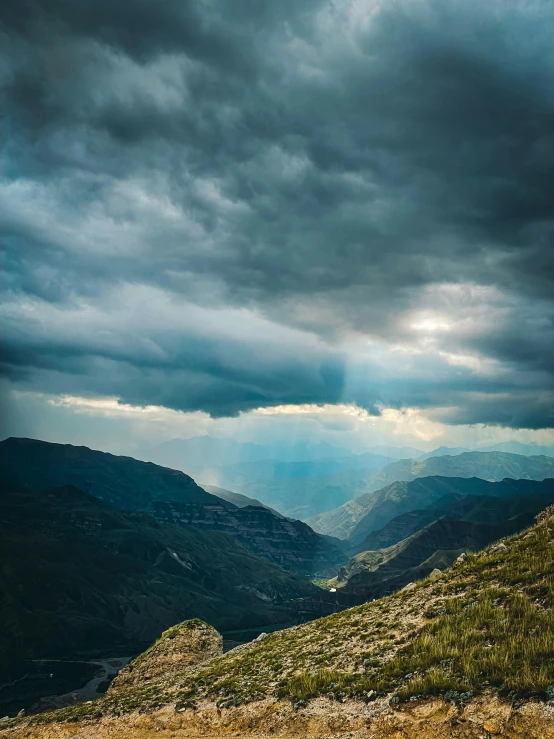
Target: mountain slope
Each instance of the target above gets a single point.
(172, 496)
(356, 518)
(372, 574)
(444, 660)
(283, 541)
(473, 508)
(428, 492)
(78, 577)
(122, 482)
(238, 499)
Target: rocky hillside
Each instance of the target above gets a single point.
(369, 512)
(80, 578)
(466, 655)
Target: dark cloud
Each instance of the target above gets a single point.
(344, 170)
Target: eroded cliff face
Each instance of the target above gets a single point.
(286, 542)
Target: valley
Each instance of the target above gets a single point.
(146, 548)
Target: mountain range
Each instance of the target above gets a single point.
(377, 492)
(324, 479)
(512, 447)
(413, 544)
(372, 574)
(519, 497)
(122, 549)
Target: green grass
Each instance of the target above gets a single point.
(493, 627)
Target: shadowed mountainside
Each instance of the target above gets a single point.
(172, 496)
(284, 541)
(79, 577)
(473, 508)
(372, 574)
(122, 482)
(372, 510)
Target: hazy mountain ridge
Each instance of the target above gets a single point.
(493, 466)
(238, 499)
(529, 449)
(201, 452)
(273, 470)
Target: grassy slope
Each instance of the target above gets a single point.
(490, 621)
(485, 625)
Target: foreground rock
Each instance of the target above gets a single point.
(187, 644)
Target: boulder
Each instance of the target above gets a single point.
(409, 586)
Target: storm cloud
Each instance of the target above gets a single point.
(223, 206)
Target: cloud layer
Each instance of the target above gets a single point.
(223, 206)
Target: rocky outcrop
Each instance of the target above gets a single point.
(184, 645)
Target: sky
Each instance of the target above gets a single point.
(255, 218)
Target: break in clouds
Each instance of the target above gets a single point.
(221, 206)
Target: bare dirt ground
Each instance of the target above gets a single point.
(484, 718)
